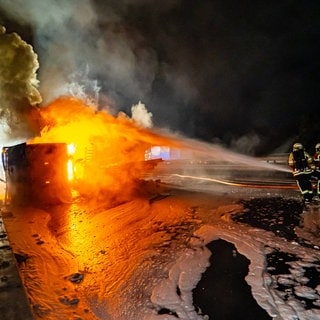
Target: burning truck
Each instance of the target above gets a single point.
(78, 151)
(48, 173)
(77, 145)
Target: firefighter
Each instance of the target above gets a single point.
(316, 172)
(302, 167)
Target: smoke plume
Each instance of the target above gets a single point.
(141, 115)
(214, 70)
(69, 39)
(18, 84)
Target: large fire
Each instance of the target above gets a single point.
(94, 151)
(105, 153)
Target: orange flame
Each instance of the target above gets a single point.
(70, 166)
(105, 152)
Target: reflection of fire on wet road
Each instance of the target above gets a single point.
(134, 256)
(106, 245)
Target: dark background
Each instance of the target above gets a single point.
(244, 74)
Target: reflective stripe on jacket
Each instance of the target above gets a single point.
(300, 162)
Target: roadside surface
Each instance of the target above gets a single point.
(14, 304)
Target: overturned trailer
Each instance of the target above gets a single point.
(50, 173)
(36, 173)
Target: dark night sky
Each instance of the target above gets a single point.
(241, 73)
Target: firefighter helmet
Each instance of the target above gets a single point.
(297, 146)
(317, 147)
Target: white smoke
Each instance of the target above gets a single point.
(245, 144)
(68, 39)
(84, 88)
(141, 115)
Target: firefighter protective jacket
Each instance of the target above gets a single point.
(316, 160)
(300, 162)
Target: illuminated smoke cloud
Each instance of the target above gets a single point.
(202, 69)
(84, 88)
(18, 84)
(69, 40)
(141, 115)
(56, 28)
(90, 44)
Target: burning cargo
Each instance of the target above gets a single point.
(36, 173)
(79, 151)
(53, 173)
